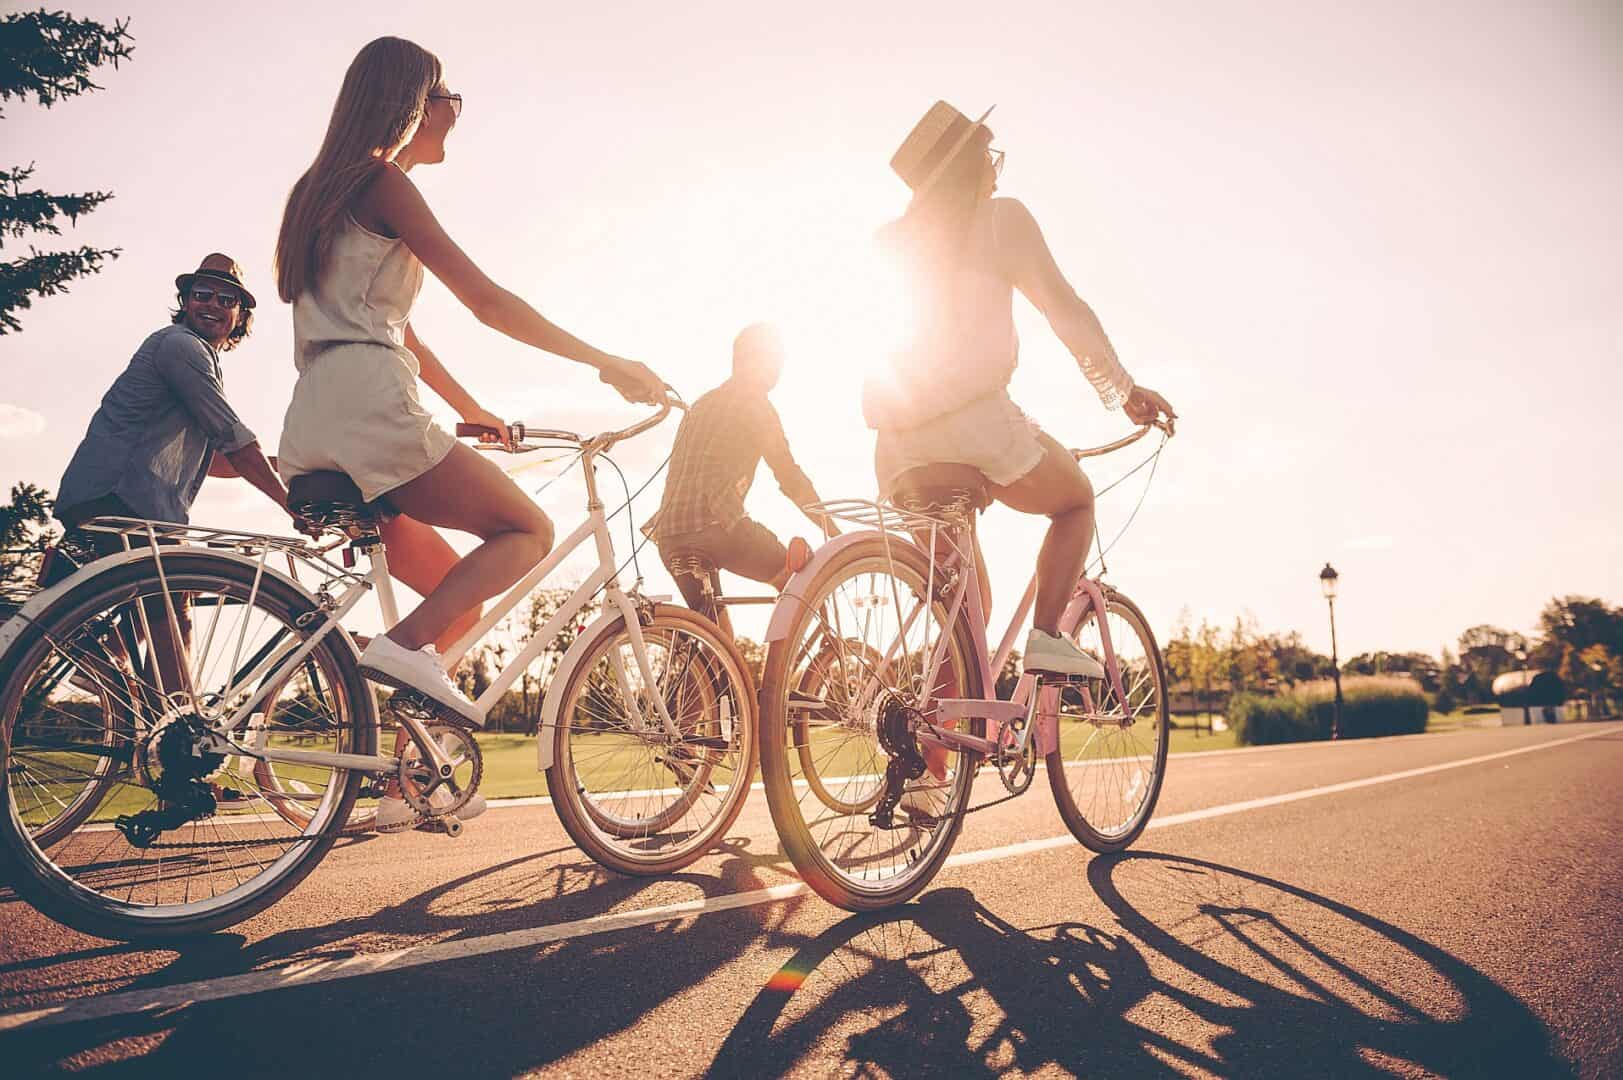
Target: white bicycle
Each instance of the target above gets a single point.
(137, 809)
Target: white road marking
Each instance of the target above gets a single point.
(308, 973)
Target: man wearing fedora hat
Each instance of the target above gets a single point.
(165, 424)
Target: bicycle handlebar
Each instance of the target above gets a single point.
(1165, 425)
(519, 432)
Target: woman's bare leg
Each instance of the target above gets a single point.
(467, 492)
(1058, 488)
(420, 558)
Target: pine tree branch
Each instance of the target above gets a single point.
(22, 212)
(44, 273)
(49, 54)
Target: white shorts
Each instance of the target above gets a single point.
(355, 411)
(990, 434)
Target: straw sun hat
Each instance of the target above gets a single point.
(218, 267)
(932, 144)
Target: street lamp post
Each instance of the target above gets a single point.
(1527, 685)
(1327, 581)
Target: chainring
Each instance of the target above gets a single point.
(1019, 768)
(431, 795)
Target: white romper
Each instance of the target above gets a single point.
(355, 408)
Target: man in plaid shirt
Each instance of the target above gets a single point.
(722, 440)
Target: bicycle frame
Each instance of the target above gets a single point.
(228, 718)
(1034, 712)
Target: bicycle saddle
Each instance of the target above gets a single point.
(940, 486)
(331, 499)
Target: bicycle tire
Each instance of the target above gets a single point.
(1064, 781)
(86, 903)
(874, 555)
(644, 845)
(116, 723)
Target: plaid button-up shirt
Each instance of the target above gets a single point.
(721, 442)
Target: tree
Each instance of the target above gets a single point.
(1486, 652)
(48, 56)
(1583, 644)
(1009, 678)
(521, 707)
(754, 654)
(25, 532)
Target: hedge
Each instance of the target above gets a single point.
(1371, 706)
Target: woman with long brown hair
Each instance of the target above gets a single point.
(945, 397)
(355, 238)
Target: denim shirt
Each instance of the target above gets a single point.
(156, 431)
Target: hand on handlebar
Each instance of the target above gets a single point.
(495, 429)
(1144, 407)
(635, 382)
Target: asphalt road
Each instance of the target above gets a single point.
(1434, 905)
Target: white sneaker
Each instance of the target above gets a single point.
(1049, 654)
(470, 809)
(419, 670)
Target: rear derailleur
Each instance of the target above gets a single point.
(895, 731)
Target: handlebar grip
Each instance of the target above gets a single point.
(468, 431)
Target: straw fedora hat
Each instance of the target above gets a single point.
(218, 267)
(932, 144)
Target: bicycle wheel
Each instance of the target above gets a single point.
(631, 795)
(285, 715)
(1107, 770)
(870, 602)
(179, 842)
(835, 675)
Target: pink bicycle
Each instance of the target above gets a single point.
(879, 704)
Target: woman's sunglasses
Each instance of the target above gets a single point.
(997, 160)
(454, 99)
(228, 300)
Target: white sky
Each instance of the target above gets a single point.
(1371, 253)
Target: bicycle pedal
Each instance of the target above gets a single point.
(423, 707)
(1057, 678)
(450, 825)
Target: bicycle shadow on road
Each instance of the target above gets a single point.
(500, 1014)
(1207, 968)
(531, 890)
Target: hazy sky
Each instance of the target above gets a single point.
(1370, 252)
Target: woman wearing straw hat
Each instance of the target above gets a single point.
(356, 236)
(945, 398)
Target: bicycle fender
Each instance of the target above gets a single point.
(553, 701)
(790, 601)
(36, 605)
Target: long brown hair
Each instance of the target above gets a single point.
(378, 110)
(937, 221)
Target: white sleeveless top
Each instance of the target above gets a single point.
(964, 346)
(364, 296)
(355, 407)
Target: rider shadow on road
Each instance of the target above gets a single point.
(1207, 968)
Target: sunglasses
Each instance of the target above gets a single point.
(454, 99)
(997, 160)
(227, 300)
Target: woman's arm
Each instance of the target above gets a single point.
(443, 383)
(1032, 269)
(395, 201)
